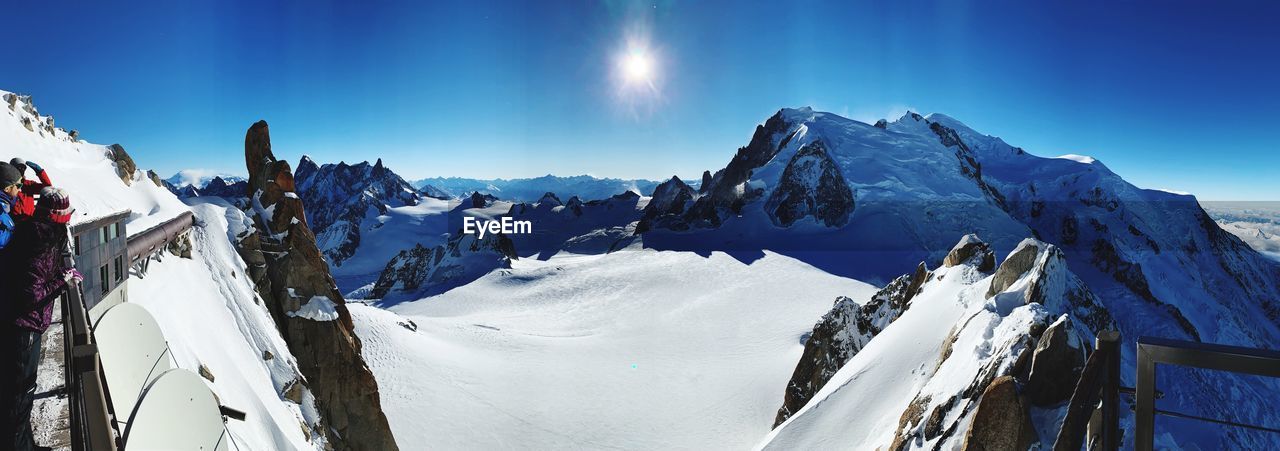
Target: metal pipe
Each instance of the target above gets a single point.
(154, 239)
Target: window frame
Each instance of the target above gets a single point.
(104, 273)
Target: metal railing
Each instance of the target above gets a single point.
(89, 403)
(1098, 390)
(1153, 351)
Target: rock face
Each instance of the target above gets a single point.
(1055, 367)
(125, 166)
(1002, 421)
(341, 196)
(290, 272)
(433, 192)
(155, 178)
(999, 341)
(841, 333)
(970, 247)
(221, 188)
(668, 203)
(1018, 263)
(420, 271)
(811, 185)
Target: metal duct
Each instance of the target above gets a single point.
(156, 238)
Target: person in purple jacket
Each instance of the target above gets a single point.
(32, 274)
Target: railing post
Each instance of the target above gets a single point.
(1108, 342)
(1145, 392)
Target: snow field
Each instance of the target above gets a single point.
(637, 349)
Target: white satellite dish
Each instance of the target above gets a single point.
(176, 412)
(133, 352)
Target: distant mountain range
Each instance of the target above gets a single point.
(200, 177)
(584, 187)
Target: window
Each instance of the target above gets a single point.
(119, 269)
(75, 246)
(102, 277)
(113, 231)
(102, 235)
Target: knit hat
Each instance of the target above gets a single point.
(56, 203)
(20, 164)
(9, 175)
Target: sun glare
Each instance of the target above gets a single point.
(638, 72)
(637, 67)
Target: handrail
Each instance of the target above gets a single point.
(89, 402)
(1098, 388)
(1152, 351)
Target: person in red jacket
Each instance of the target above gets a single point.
(24, 204)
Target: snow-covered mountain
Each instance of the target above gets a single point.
(920, 360)
(232, 188)
(591, 227)
(531, 189)
(1255, 223)
(343, 198)
(874, 202)
(201, 177)
(1162, 267)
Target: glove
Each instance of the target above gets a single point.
(73, 274)
(35, 167)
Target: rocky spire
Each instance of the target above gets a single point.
(294, 281)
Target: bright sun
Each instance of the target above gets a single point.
(637, 67)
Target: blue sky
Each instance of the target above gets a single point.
(1176, 95)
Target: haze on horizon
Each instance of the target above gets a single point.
(1176, 97)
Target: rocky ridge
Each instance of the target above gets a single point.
(294, 282)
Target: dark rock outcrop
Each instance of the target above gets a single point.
(811, 185)
(1056, 364)
(970, 248)
(289, 272)
(1013, 268)
(155, 178)
(1002, 420)
(841, 333)
(478, 200)
(722, 197)
(125, 166)
(706, 182)
(668, 202)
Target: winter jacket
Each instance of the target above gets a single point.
(6, 221)
(24, 205)
(32, 273)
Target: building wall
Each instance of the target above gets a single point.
(102, 259)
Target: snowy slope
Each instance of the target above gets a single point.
(82, 168)
(206, 308)
(957, 336)
(634, 350)
(233, 333)
(383, 235)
